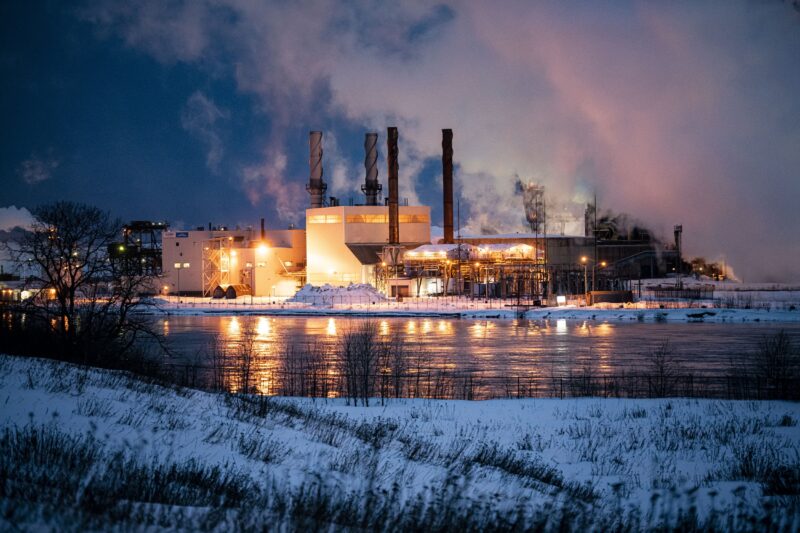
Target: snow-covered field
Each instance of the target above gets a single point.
(91, 449)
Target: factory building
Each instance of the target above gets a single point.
(388, 245)
(262, 263)
(345, 243)
(351, 244)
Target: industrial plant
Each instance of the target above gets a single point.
(387, 243)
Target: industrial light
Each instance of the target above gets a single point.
(584, 259)
(233, 253)
(262, 248)
(121, 248)
(603, 263)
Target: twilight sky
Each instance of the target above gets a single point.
(199, 110)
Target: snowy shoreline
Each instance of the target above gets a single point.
(774, 304)
(391, 309)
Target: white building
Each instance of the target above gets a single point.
(344, 243)
(196, 262)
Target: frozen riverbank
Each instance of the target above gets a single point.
(467, 308)
(88, 448)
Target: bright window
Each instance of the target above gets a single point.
(324, 219)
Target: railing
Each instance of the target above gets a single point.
(437, 304)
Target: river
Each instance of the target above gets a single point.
(503, 354)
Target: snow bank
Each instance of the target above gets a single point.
(328, 295)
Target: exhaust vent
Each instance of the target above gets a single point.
(391, 160)
(447, 183)
(316, 187)
(371, 187)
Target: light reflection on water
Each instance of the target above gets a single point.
(490, 347)
(263, 328)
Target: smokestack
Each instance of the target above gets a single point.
(316, 187)
(371, 187)
(262, 229)
(391, 161)
(447, 183)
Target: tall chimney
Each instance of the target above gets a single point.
(371, 187)
(447, 183)
(316, 187)
(391, 160)
(262, 229)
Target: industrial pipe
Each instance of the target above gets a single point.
(316, 186)
(371, 187)
(391, 161)
(447, 183)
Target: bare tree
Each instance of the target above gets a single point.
(359, 357)
(663, 370)
(82, 297)
(304, 370)
(244, 356)
(777, 363)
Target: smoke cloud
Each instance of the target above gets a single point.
(200, 117)
(15, 217)
(37, 169)
(673, 112)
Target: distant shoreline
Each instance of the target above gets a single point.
(688, 315)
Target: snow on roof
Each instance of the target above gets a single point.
(503, 247)
(435, 248)
(511, 236)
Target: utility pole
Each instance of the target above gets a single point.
(594, 265)
(459, 281)
(679, 266)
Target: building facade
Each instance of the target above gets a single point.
(267, 263)
(346, 243)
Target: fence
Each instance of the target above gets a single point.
(356, 303)
(322, 381)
